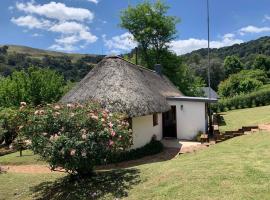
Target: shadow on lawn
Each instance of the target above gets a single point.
(114, 183)
(221, 120)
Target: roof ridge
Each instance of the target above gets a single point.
(139, 66)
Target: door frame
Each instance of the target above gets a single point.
(172, 111)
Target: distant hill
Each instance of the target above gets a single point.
(40, 53)
(72, 66)
(246, 51)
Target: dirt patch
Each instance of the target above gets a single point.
(265, 127)
(167, 154)
(35, 169)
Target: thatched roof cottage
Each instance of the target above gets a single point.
(155, 105)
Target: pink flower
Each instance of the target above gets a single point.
(95, 117)
(23, 103)
(84, 136)
(57, 113)
(83, 131)
(113, 133)
(72, 152)
(57, 107)
(111, 142)
(69, 105)
(110, 124)
(41, 112)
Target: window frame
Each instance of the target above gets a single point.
(155, 119)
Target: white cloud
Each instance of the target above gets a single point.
(59, 47)
(124, 42)
(253, 29)
(73, 31)
(93, 1)
(54, 17)
(266, 18)
(186, 46)
(36, 35)
(54, 10)
(31, 22)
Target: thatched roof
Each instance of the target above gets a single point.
(124, 87)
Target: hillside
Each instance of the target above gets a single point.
(75, 66)
(72, 66)
(247, 53)
(245, 50)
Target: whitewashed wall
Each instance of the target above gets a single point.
(143, 130)
(190, 120)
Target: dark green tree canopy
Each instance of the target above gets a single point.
(232, 65)
(262, 62)
(150, 26)
(241, 83)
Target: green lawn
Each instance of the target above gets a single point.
(15, 159)
(235, 119)
(235, 169)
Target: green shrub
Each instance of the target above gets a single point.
(11, 120)
(77, 137)
(242, 83)
(257, 98)
(34, 86)
(153, 147)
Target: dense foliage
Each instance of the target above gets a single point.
(11, 120)
(153, 30)
(153, 147)
(151, 27)
(72, 69)
(33, 85)
(262, 62)
(77, 137)
(241, 83)
(232, 65)
(247, 52)
(253, 99)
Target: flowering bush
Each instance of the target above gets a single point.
(11, 120)
(77, 137)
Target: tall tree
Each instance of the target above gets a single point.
(151, 28)
(262, 62)
(232, 65)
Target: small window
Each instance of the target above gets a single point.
(155, 119)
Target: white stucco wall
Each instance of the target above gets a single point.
(143, 130)
(190, 120)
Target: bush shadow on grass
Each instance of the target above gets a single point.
(114, 183)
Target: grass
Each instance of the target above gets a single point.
(235, 169)
(15, 159)
(235, 119)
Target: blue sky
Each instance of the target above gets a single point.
(91, 26)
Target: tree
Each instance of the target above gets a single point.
(232, 65)
(33, 85)
(241, 83)
(151, 28)
(262, 62)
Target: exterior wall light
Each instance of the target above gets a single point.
(182, 107)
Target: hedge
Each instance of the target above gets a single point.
(151, 148)
(253, 99)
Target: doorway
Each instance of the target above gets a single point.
(169, 123)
